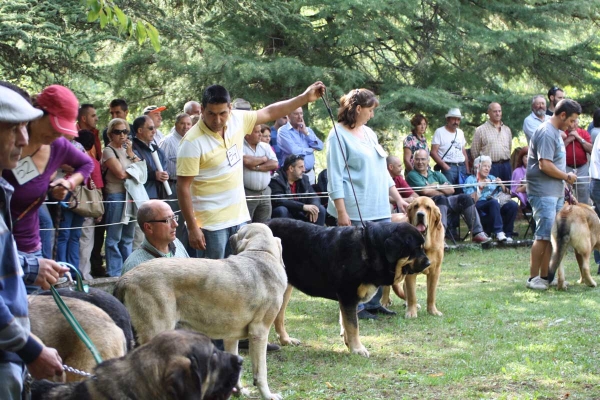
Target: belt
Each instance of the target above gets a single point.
(458, 164)
(500, 161)
(576, 165)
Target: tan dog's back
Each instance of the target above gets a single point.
(52, 328)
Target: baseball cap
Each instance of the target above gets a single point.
(153, 109)
(62, 106)
(15, 109)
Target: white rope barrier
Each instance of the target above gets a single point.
(317, 195)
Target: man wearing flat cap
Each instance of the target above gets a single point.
(154, 112)
(19, 351)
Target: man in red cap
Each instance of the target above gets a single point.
(154, 113)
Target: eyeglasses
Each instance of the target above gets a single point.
(168, 220)
(150, 128)
(120, 131)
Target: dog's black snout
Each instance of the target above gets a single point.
(420, 216)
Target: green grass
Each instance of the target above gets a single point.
(496, 340)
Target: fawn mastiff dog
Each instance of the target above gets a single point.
(52, 328)
(425, 216)
(174, 365)
(577, 226)
(346, 264)
(231, 299)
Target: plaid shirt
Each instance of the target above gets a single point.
(489, 141)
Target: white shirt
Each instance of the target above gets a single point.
(257, 180)
(445, 140)
(595, 161)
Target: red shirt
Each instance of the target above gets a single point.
(405, 189)
(580, 154)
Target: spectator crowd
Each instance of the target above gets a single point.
(181, 192)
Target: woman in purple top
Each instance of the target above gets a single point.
(46, 152)
(517, 188)
(415, 141)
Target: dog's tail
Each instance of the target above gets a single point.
(561, 237)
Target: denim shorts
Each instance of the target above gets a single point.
(544, 213)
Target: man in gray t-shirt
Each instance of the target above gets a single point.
(546, 165)
(546, 144)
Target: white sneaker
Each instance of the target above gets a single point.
(501, 237)
(509, 239)
(537, 283)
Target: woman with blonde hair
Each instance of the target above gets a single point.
(358, 144)
(496, 210)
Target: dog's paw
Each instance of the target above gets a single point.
(241, 392)
(411, 312)
(289, 341)
(590, 283)
(275, 396)
(434, 311)
(386, 302)
(361, 351)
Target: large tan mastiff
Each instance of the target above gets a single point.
(231, 299)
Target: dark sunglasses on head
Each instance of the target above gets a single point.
(295, 157)
(120, 131)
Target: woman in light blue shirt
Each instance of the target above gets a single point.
(372, 183)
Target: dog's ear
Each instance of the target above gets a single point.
(183, 380)
(436, 217)
(393, 249)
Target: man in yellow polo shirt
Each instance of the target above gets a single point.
(210, 185)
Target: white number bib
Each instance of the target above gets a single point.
(25, 170)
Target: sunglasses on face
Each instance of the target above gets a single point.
(120, 131)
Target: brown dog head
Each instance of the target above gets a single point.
(424, 215)
(256, 237)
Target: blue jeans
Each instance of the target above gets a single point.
(375, 302)
(544, 214)
(67, 244)
(453, 174)
(11, 376)
(119, 237)
(47, 237)
(217, 242)
(494, 218)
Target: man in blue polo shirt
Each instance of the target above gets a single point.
(298, 139)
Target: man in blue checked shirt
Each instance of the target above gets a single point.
(298, 139)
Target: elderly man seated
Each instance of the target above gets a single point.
(292, 195)
(435, 185)
(158, 224)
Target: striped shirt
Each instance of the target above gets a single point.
(488, 141)
(218, 188)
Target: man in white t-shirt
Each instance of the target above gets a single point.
(448, 148)
(259, 160)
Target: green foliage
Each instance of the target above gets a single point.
(418, 56)
(107, 12)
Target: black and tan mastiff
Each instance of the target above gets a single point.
(231, 299)
(346, 264)
(174, 365)
(577, 226)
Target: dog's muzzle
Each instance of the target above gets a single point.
(421, 224)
